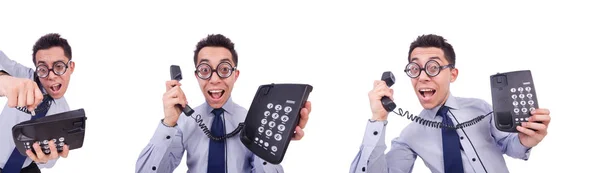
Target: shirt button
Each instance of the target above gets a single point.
(473, 159)
(154, 168)
(264, 163)
(363, 169)
(168, 137)
(375, 133)
(461, 138)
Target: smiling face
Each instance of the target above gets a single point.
(55, 85)
(432, 91)
(216, 90)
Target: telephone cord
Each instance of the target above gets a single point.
(436, 124)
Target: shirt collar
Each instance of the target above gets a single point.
(450, 103)
(228, 106)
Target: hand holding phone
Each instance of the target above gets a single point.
(381, 97)
(174, 100)
(24, 94)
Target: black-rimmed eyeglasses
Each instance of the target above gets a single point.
(224, 70)
(432, 68)
(58, 68)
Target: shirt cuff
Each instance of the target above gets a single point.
(374, 133)
(520, 148)
(163, 134)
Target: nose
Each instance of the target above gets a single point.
(51, 75)
(423, 77)
(214, 78)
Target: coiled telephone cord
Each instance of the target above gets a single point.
(436, 124)
(206, 131)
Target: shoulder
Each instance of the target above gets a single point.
(473, 103)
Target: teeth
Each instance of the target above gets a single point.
(215, 91)
(55, 85)
(425, 90)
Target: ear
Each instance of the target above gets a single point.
(453, 74)
(72, 66)
(236, 75)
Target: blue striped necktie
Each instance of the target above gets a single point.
(216, 149)
(451, 145)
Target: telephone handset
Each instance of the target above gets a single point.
(176, 75)
(389, 106)
(513, 98)
(66, 128)
(272, 119)
(188, 111)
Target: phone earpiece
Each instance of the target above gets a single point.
(389, 79)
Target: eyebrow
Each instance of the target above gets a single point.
(430, 58)
(222, 60)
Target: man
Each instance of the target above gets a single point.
(43, 88)
(477, 148)
(216, 71)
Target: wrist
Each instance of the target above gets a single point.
(168, 123)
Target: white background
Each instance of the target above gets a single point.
(123, 51)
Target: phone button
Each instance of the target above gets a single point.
(269, 133)
(267, 113)
(515, 103)
(514, 96)
(516, 110)
(274, 148)
(285, 118)
(275, 115)
(261, 129)
(529, 95)
(281, 127)
(263, 121)
(288, 109)
(520, 89)
(272, 124)
(513, 90)
(527, 89)
(270, 105)
(278, 137)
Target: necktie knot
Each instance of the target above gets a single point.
(218, 111)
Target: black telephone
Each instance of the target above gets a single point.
(389, 106)
(272, 118)
(176, 75)
(513, 98)
(66, 128)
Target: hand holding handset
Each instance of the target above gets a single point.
(272, 119)
(389, 79)
(66, 128)
(513, 98)
(176, 75)
(389, 105)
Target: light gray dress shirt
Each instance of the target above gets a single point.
(165, 150)
(11, 116)
(484, 145)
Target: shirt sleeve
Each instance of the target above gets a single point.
(261, 166)
(164, 151)
(372, 157)
(509, 143)
(13, 68)
(48, 164)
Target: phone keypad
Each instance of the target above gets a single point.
(45, 145)
(273, 126)
(523, 103)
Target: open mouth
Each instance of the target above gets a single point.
(55, 87)
(427, 92)
(216, 94)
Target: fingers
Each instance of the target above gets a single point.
(530, 133)
(29, 92)
(32, 156)
(53, 150)
(65, 152)
(299, 134)
(38, 96)
(541, 111)
(540, 115)
(12, 94)
(22, 96)
(38, 151)
(541, 128)
(175, 96)
(171, 83)
(380, 89)
(303, 117)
